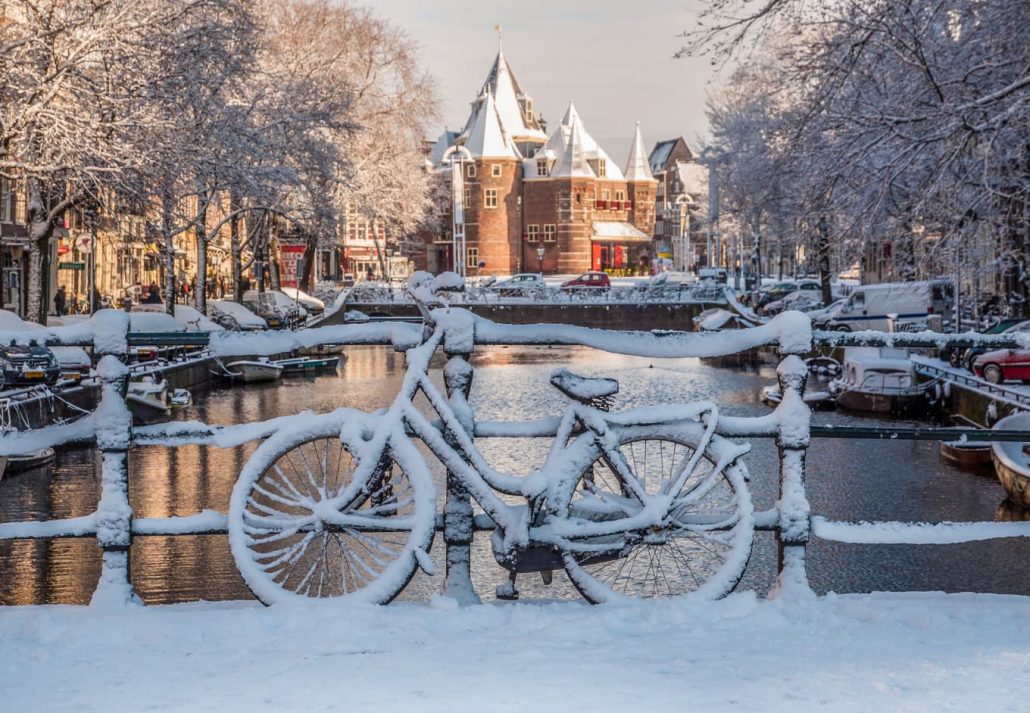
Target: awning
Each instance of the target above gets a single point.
(618, 232)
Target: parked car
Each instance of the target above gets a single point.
(777, 291)
(871, 306)
(965, 357)
(73, 362)
(588, 280)
(313, 305)
(800, 299)
(234, 316)
(274, 307)
(716, 274)
(1003, 365)
(520, 284)
(27, 365)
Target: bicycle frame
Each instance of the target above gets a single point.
(570, 454)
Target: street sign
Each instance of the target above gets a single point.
(71, 266)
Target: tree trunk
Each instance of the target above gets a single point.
(304, 281)
(41, 230)
(823, 251)
(200, 289)
(169, 250)
(235, 250)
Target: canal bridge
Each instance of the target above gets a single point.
(792, 521)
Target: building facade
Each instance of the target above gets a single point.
(529, 201)
(681, 204)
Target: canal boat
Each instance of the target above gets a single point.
(308, 365)
(968, 455)
(879, 381)
(25, 461)
(772, 396)
(1012, 459)
(250, 371)
(147, 399)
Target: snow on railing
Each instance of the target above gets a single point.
(110, 427)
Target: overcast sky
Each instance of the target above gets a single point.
(613, 57)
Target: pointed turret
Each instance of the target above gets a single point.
(514, 106)
(486, 138)
(636, 167)
(573, 162)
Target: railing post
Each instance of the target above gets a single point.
(457, 513)
(793, 506)
(113, 424)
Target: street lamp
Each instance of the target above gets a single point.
(540, 256)
(456, 156)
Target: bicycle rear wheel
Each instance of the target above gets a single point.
(702, 547)
(281, 532)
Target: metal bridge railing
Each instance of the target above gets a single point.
(110, 428)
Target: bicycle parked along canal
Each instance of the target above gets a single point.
(648, 502)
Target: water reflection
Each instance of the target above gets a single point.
(851, 480)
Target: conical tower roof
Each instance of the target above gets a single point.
(486, 138)
(501, 83)
(573, 162)
(636, 166)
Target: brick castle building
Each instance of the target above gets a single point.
(523, 190)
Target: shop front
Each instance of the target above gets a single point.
(619, 248)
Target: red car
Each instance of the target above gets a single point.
(588, 279)
(1003, 365)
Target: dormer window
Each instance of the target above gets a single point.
(541, 167)
(602, 168)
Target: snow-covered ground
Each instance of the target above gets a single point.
(879, 652)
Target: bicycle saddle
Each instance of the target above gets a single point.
(583, 388)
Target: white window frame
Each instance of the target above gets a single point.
(532, 233)
(541, 167)
(471, 257)
(470, 170)
(495, 170)
(6, 199)
(602, 168)
(490, 196)
(550, 232)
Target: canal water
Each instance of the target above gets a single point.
(847, 479)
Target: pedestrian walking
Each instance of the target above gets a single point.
(60, 301)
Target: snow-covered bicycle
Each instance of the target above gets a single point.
(643, 503)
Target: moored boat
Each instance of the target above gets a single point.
(772, 396)
(879, 381)
(1012, 459)
(968, 455)
(249, 371)
(148, 400)
(307, 364)
(25, 461)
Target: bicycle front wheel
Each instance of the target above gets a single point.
(701, 548)
(282, 531)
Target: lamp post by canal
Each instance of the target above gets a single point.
(456, 156)
(90, 216)
(540, 257)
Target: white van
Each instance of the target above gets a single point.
(871, 306)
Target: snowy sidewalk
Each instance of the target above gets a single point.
(882, 652)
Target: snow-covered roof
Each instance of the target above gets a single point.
(573, 162)
(572, 137)
(486, 137)
(693, 176)
(501, 83)
(618, 230)
(446, 140)
(636, 165)
(660, 155)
